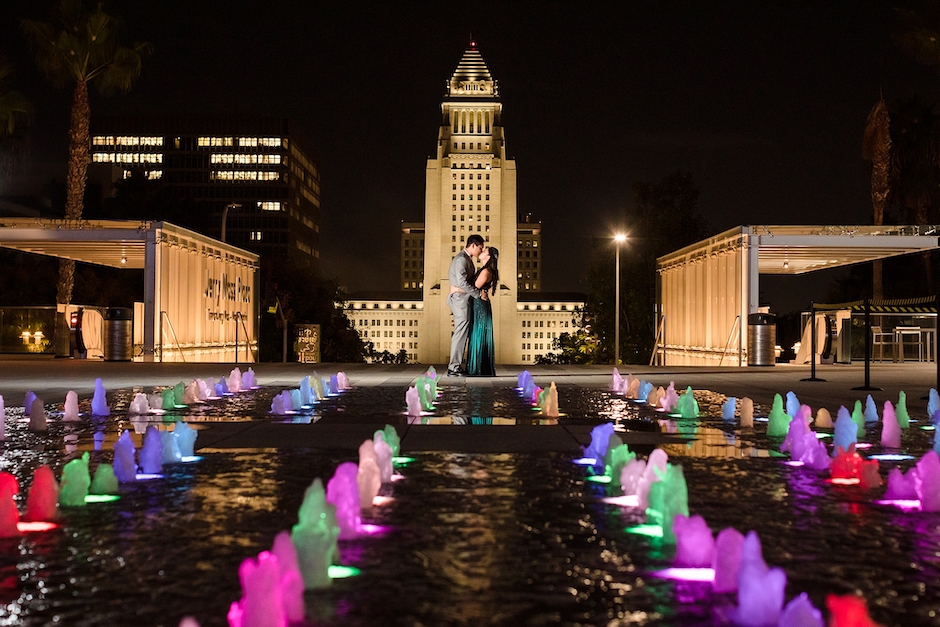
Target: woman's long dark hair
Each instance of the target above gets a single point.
(492, 266)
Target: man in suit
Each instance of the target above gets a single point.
(461, 291)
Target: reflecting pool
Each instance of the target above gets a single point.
(467, 539)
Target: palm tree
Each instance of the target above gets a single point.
(79, 45)
(14, 110)
(915, 165)
(876, 147)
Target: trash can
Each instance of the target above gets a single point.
(118, 334)
(761, 339)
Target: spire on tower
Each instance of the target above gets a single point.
(472, 77)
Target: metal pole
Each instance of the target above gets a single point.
(812, 357)
(224, 221)
(617, 309)
(868, 351)
(231, 205)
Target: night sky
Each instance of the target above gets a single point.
(765, 102)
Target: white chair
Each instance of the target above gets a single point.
(880, 339)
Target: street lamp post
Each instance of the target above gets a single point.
(225, 217)
(619, 238)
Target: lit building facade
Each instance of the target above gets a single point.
(412, 256)
(470, 188)
(262, 169)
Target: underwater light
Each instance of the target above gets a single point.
(823, 436)
(652, 531)
(186, 459)
(862, 445)
(890, 457)
(598, 478)
(25, 527)
(101, 498)
(180, 406)
(402, 461)
(686, 574)
(631, 500)
(373, 529)
(793, 463)
(928, 427)
(761, 419)
(903, 504)
(146, 476)
(845, 480)
(342, 572)
(379, 501)
(586, 461)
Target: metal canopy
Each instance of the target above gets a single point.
(786, 249)
(113, 243)
(802, 249)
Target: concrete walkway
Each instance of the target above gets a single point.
(51, 379)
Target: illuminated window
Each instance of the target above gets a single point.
(242, 175)
(272, 142)
(272, 205)
(248, 141)
(103, 140)
(255, 236)
(154, 174)
(248, 159)
(214, 141)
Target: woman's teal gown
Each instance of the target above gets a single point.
(480, 360)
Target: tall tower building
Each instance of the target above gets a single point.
(470, 188)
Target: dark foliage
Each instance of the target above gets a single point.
(665, 218)
(303, 297)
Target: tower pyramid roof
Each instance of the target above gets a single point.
(472, 77)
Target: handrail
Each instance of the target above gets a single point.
(660, 330)
(734, 329)
(166, 317)
(240, 317)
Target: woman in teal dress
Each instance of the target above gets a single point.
(480, 359)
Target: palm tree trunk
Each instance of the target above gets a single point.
(75, 181)
(78, 152)
(79, 141)
(876, 147)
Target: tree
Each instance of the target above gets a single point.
(304, 297)
(919, 33)
(14, 112)
(915, 165)
(665, 218)
(79, 45)
(579, 347)
(876, 147)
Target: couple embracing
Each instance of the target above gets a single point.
(469, 300)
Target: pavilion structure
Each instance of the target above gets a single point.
(707, 290)
(200, 294)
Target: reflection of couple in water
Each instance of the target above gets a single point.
(469, 300)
